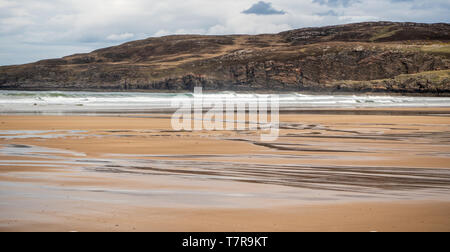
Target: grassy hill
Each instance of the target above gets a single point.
(362, 57)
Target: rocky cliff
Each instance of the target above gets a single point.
(363, 57)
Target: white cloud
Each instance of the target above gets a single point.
(35, 29)
(120, 37)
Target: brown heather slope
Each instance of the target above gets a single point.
(363, 57)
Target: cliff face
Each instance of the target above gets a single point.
(375, 57)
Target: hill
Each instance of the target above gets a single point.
(362, 57)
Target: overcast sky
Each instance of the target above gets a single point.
(38, 29)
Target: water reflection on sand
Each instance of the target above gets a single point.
(137, 160)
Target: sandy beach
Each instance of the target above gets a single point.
(370, 170)
(223, 123)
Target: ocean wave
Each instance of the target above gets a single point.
(74, 101)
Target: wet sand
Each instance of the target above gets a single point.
(362, 171)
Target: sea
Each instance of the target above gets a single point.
(103, 102)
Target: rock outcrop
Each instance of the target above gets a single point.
(364, 57)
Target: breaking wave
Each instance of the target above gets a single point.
(52, 101)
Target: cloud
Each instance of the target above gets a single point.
(120, 37)
(335, 3)
(328, 13)
(31, 30)
(263, 8)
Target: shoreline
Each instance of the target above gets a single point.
(431, 111)
(206, 91)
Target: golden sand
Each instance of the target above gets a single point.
(133, 173)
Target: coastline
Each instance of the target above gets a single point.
(249, 91)
(96, 103)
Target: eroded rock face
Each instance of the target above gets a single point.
(365, 57)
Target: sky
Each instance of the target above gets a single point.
(31, 30)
